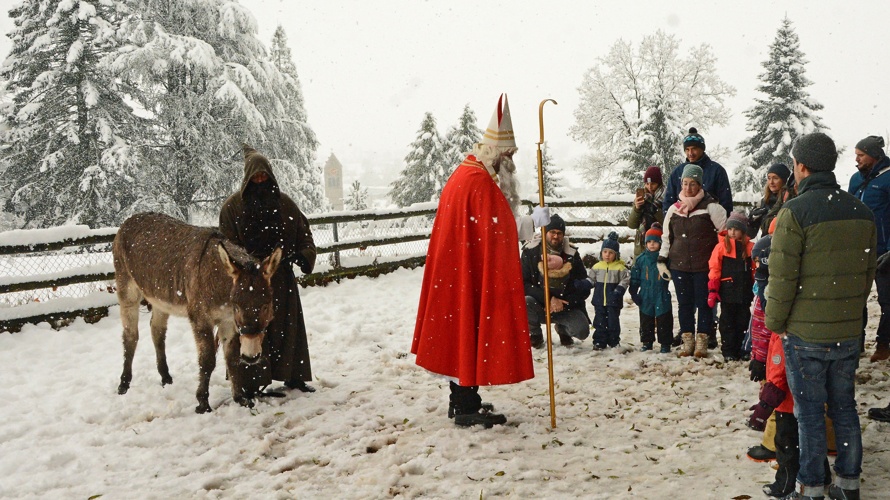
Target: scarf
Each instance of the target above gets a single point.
(687, 203)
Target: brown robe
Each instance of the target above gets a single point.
(285, 342)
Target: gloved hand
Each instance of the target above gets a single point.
(713, 296)
(771, 395)
(663, 270)
(883, 261)
(616, 297)
(757, 421)
(583, 286)
(541, 216)
(635, 296)
(757, 369)
(305, 266)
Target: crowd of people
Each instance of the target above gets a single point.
(790, 280)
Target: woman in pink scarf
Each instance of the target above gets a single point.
(690, 233)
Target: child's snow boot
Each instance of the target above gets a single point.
(647, 346)
(665, 348)
(688, 345)
(701, 345)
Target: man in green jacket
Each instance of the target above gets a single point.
(822, 265)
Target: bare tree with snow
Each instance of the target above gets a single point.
(357, 199)
(785, 112)
(637, 103)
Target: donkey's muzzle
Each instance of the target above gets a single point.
(250, 360)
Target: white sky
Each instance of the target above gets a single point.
(371, 69)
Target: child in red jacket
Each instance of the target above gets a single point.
(730, 281)
(775, 395)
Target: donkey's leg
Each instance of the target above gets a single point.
(206, 362)
(231, 343)
(128, 295)
(159, 337)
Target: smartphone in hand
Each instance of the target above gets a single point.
(641, 192)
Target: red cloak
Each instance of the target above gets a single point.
(471, 322)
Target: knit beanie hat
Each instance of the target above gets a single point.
(610, 243)
(872, 145)
(816, 151)
(694, 139)
(556, 222)
(781, 170)
(692, 171)
(737, 220)
(653, 234)
(653, 174)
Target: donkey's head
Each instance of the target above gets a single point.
(251, 297)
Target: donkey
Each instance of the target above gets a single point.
(185, 270)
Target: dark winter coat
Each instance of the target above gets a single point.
(759, 217)
(285, 339)
(822, 263)
(874, 191)
(688, 239)
(568, 289)
(760, 256)
(715, 182)
(641, 219)
(610, 281)
(647, 283)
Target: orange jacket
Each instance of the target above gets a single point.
(715, 264)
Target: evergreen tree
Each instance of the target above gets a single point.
(552, 180)
(784, 114)
(424, 166)
(70, 151)
(210, 86)
(459, 141)
(636, 105)
(357, 199)
(290, 141)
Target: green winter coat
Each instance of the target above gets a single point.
(822, 263)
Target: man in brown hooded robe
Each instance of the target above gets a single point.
(261, 218)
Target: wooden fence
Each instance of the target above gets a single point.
(603, 214)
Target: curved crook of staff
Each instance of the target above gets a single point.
(544, 259)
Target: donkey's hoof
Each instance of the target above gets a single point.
(203, 407)
(246, 402)
(123, 388)
(166, 380)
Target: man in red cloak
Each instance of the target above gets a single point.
(472, 325)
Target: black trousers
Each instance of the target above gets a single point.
(664, 323)
(734, 319)
(788, 453)
(465, 399)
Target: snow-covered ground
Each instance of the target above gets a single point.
(629, 424)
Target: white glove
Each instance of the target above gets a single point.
(541, 216)
(663, 271)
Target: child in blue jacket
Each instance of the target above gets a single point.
(609, 277)
(650, 292)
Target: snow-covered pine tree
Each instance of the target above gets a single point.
(70, 156)
(423, 166)
(290, 142)
(210, 85)
(631, 98)
(552, 180)
(357, 199)
(459, 141)
(785, 113)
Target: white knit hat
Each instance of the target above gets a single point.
(500, 129)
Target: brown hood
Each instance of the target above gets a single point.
(255, 162)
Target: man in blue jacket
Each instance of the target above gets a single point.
(715, 181)
(871, 184)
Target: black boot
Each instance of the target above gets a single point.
(678, 340)
(485, 407)
(879, 414)
(712, 340)
(835, 492)
(299, 385)
(481, 417)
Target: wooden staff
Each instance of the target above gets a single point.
(544, 259)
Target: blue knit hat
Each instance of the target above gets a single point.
(694, 139)
(611, 243)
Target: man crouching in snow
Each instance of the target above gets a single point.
(471, 321)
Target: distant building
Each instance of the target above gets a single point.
(333, 182)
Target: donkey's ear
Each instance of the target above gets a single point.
(270, 264)
(231, 267)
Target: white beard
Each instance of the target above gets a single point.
(509, 184)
